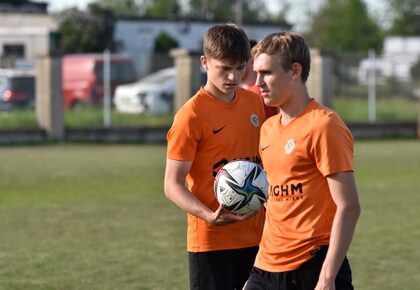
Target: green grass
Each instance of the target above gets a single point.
(81, 117)
(94, 117)
(95, 217)
(350, 109)
(88, 217)
(385, 248)
(18, 119)
(391, 109)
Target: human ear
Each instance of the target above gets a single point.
(204, 62)
(296, 71)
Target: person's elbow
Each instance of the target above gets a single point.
(167, 189)
(353, 209)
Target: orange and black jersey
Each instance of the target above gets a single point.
(210, 133)
(297, 158)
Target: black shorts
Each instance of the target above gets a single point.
(221, 270)
(304, 278)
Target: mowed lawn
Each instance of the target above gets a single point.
(95, 217)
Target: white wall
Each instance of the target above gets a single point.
(398, 56)
(137, 36)
(34, 39)
(28, 29)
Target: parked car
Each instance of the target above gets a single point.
(17, 89)
(82, 76)
(153, 94)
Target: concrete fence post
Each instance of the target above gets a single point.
(418, 117)
(188, 75)
(49, 100)
(320, 83)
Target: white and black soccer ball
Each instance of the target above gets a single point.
(241, 186)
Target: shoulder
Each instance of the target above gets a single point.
(188, 114)
(270, 123)
(324, 116)
(250, 98)
(326, 121)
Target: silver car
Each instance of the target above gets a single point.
(153, 94)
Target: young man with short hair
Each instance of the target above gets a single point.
(307, 152)
(220, 123)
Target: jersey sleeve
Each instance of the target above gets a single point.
(333, 146)
(183, 136)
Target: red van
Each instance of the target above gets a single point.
(82, 76)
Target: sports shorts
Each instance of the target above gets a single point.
(303, 278)
(221, 270)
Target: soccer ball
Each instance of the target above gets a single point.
(241, 186)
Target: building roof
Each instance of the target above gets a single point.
(23, 6)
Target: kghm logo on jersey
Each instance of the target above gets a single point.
(290, 146)
(255, 121)
(286, 192)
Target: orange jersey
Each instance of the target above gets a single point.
(210, 133)
(297, 158)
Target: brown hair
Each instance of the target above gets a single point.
(227, 42)
(291, 47)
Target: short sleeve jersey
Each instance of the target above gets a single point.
(297, 158)
(210, 133)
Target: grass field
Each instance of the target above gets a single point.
(95, 217)
(350, 109)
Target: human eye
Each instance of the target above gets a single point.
(242, 67)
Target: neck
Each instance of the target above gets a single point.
(292, 109)
(215, 92)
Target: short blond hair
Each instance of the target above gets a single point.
(290, 46)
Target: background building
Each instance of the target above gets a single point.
(25, 31)
(136, 37)
(398, 56)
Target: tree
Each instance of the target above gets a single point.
(121, 7)
(415, 71)
(90, 31)
(225, 10)
(344, 26)
(163, 8)
(164, 43)
(406, 21)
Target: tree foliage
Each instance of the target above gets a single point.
(153, 8)
(86, 31)
(218, 10)
(225, 10)
(406, 21)
(345, 26)
(121, 7)
(415, 71)
(164, 43)
(163, 8)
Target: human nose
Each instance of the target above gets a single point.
(235, 75)
(259, 81)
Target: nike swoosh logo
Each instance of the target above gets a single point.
(265, 147)
(218, 130)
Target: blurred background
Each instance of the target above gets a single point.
(121, 49)
(93, 216)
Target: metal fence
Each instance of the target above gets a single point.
(351, 83)
(353, 73)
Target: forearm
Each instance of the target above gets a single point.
(341, 236)
(187, 201)
(177, 192)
